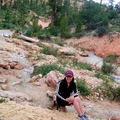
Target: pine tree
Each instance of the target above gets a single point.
(0, 8)
(64, 29)
(78, 27)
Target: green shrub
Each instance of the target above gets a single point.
(45, 69)
(107, 68)
(29, 32)
(2, 100)
(63, 61)
(117, 93)
(78, 35)
(110, 58)
(53, 30)
(82, 87)
(101, 31)
(98, 74)
(43, 35)
(78, 27)
(107, 89)
(6, 25)
(49, 50)
(84, 66)
(57, 41)
(104, 77)
(64, 28)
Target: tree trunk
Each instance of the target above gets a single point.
(53, 16)
(100, 2)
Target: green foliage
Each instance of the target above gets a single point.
(63, 61)
(107, 89)
(104, 77)
(78, 35)
(29, 31)
(91, 13)
(116, 93)
(45, 69)
(112, 14)
(57, 41)
(111, 58)
(49, 50)
(78, 27)
(84, 66)
(98, 74)
(2, 100)
(6, 26)
(107, 68)
(105, 21)
(101, 31)
(82, 87)
(82, 49)
(107, 64)
(43, 35)
(53, 30)
(64, 29)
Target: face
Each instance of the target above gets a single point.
(68, 79)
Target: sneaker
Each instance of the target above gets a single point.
(85, 117)
(81, 117)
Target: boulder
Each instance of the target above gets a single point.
(67, 51)
(52, 78)
(115, 117)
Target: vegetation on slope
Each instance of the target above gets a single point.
(84, 16)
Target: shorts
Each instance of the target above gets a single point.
(61, 102)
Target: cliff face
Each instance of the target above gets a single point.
(101, 46)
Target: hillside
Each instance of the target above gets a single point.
(30, 100)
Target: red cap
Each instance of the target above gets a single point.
(69, 73)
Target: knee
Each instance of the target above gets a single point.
(77, 98)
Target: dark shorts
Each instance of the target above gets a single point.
(61, 102)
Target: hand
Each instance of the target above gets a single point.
(70, 99)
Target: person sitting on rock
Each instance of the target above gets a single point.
(64, 96)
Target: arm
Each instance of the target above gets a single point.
(75, 94)
(57, 92)
(75, 91)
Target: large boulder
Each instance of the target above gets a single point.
(52, 78)
(115, 117)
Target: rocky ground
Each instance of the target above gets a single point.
(26, 97)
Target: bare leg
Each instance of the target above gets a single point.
(78, 105)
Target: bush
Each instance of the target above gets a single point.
(117, 93)
(107, 68)
(57, 41)
(6, 26)
(2, 100)
(53, 30)
(49, 50)
(29, 32)
(101, 31)
(98, 74)
(78, 35)
(106, 88)
(45, 69)
(82, 87)
(84, 66)
(110, 58)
